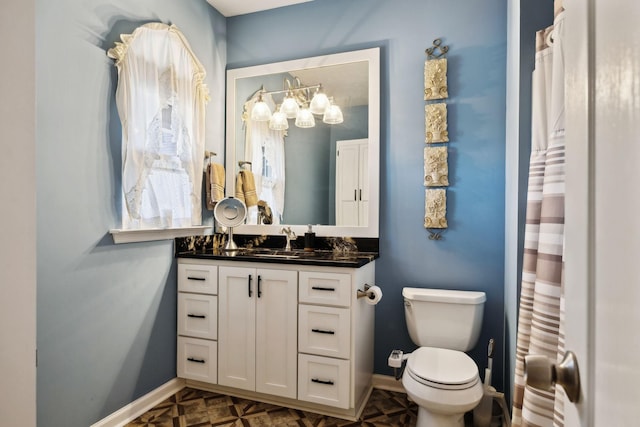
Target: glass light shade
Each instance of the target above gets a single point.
(278, 121)
(305, 119)
(319, 103)
(261, 111)
(333, 115)
(290, 107)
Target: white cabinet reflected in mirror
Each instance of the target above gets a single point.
(325, 174)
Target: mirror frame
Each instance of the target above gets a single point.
(371, 55)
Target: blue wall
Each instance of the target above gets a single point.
(471, 256)
(106, 314)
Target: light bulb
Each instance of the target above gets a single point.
(333, 115)
(261, 111)
(319, 102)
(305, 119)
(290, 106)
(278, 121)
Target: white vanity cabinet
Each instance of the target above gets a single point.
(258, 328)
(294, 335)
(197, 322)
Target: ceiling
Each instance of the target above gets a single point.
(351, 79)
(240, 7)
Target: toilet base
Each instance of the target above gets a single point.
(430, 419)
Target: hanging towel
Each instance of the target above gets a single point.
(239, 188)
(215, 184)
(249, 188)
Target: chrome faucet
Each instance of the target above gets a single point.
(289, 236)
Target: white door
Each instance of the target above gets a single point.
(277, 332)
(602, 252)
(237, 327)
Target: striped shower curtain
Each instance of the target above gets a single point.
(540, 319)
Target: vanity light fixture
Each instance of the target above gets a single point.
(299, 105)
(261, 111)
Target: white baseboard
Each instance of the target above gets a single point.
(141, 405)
(387, 382)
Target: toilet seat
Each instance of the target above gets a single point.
(442, 368)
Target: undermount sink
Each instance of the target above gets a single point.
(267, 255)
(271, 253)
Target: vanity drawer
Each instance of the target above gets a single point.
(198, 359)
(325, 288)
(323, 380)
(198, 278)
(198, 315)
(324, 331)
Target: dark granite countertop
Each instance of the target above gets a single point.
(318, 257)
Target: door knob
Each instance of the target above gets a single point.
(540, 373)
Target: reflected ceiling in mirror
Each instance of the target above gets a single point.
(297, 172)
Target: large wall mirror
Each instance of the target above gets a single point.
(322, 171)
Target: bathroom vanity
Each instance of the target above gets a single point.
(285, 326)
(282, 328)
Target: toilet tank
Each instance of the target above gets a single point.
(443, 318)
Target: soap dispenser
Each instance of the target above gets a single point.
(309, 240)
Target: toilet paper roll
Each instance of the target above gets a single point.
(374, 295)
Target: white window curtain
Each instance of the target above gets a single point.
(161, 101)
(266, 150)
(541, 313)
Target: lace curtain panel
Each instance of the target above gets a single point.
(265, 149)
(161, 102)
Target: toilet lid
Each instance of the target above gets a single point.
(442, 368)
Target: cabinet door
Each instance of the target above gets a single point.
(363, 179)
(276, 332)
(347, 185)
(237, 322)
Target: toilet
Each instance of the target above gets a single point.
(439, 376)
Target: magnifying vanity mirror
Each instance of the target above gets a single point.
(325, 174)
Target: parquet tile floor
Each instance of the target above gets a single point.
(190, 408)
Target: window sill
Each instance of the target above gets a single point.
(150, 234)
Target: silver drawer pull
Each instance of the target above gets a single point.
(191, 359)
(315, 380)
(202, 279)
(320, 331)
(320, 288)
(197, 316)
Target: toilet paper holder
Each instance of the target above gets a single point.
(366, 293)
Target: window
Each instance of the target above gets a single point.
(161, 101)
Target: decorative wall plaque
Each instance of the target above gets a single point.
(435, 79)
(435, 209)
(436, 168)
(436, 123)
